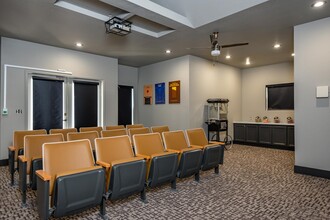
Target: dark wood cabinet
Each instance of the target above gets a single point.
(279, 135)
(239, 132)
(290, 137)
(251, 133)
(270, 135)
(265, 134)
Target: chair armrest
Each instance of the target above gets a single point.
(132, 159)
(35, 158)
(66, 173)
(12, 148)
(190, 149)
(144, 156)
(43, 175)
(162, 154)
(22, 158)
(103, 164)
(197, 146)
(173, 151)
(216, 142)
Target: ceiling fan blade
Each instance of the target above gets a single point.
(194, 48)
(234, 45)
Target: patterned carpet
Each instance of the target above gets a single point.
(254, 183)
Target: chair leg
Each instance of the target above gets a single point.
(173, 184)
(11, 160)
(12, 178)
(43, 198)
(22, 180)
(216, 169)
(143, 195)
(197, 176)
(102, 206)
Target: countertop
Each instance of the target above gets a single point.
(262, 123)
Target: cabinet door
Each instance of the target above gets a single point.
(239, 132)
(251, 133)
(279, 135)
(265, 134)
(290, 136)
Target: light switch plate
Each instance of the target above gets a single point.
(4, 111)
(322, 91)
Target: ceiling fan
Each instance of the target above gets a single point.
(216, 47)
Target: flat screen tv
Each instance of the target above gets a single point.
(280, 96)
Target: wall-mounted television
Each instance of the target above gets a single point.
(280, 96)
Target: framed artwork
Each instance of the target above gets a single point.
(160, 93)
(174, 92)
(147, 93)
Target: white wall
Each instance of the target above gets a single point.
(312, 68)
(129, 76)
(83, 65)
(176, 116)
(200, 80)
(213, 81)
(254, 81)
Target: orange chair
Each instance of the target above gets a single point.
(212, 152)
(125, 173)
(134, 126)
(98, 129)
(113, 133)
(18, 148)
(161, 164)
(190, 158)
(114, 127)
(63, 131)
(90, 135)
(133, 131)
(32, 159)
(70, 179)
(160, 129)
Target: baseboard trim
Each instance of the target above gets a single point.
(279, 147)
(312, 172)
(4, 162)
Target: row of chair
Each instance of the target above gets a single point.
(148, 147)
(124, 173)
(18, 138)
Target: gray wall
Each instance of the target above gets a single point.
(200, 80)
(254, 81)
(129, 76)
(312, 69)
(176, 116)
(83, 65)
(208, 80)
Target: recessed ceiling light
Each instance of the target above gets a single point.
(79, 44)
(247, 61)
(277, 45)
(168, 51)
(228, 57)
(318, 4)
(292, 54)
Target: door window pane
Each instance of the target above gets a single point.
(85, 104)
(47, 103)
(125, 105)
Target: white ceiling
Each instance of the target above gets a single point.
(176, 24)
(203, 12)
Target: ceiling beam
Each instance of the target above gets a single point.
(148, 9)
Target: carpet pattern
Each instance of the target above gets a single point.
(254, 183)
